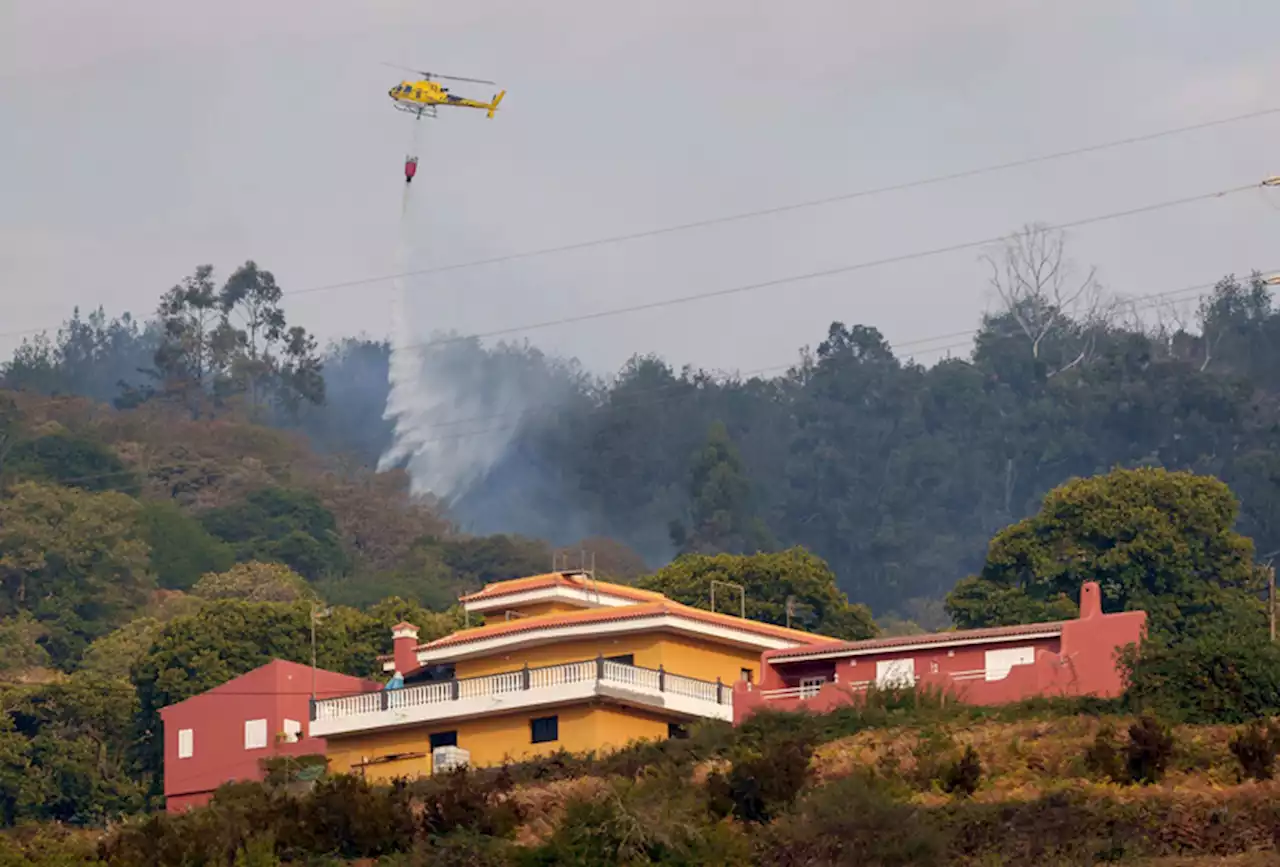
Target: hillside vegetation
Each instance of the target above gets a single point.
(182, 497)
(895, 465)
(905, 780)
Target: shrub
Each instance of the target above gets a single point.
(1149, 751)
(1143, 759)
(763, 783)
(47, 845)
(854, 821)
(1228, 679)
(1103, 756)
(466, 801)
(347, 816)
(658, 820)
(964, 774)
(1255, 748)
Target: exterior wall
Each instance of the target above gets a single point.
(1080, 661)
(644, 647)
(928, 662)
(679, 654)
(495, 739)
(705, 660)
(275, 692)
(537, 609)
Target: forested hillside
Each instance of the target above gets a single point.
(896, 472)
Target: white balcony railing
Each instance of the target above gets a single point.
(810, 690)
(521, 688)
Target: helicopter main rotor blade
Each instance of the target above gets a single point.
(432, 75)
(398, 66)
(457, 78)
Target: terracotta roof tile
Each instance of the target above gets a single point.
(562, 579)
(991, 633)
(623, 612)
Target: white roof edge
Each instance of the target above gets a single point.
(481, 646)
(904, 648)
(588, 598)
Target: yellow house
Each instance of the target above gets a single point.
(565, 662)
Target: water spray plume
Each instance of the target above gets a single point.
(433, 387)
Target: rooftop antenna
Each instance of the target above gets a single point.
(591, 572)
(742, 596)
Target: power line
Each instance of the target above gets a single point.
(796, 206)
(844, 269)
(813, 275)
(1135, 302)
(827, 272)
(746, 215)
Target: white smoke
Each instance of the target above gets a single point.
(453, 420)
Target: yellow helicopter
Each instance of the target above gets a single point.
(422, 97)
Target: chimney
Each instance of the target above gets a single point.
(405, 641)
(1090, 600)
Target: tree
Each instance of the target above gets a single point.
(20, 648)
(70, 460)
(281, 525)
(74, 560)
(611, 559)
(1035, 280)
(255, 582)
(1155, 540)
(10, 429)
(234, 341)
(721, 518)
(268, 357)
(477, 560)
(89, 356)
(181, 549)
(192, 359)
(74, 739)
(773, 583)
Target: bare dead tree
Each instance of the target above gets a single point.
(1039, 289)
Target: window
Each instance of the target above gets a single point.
(809, 686)
(748, 675)
(186, 743)
(998, 662)
(680, 731)
(896, 672)
(255, 734)
(444, 739)
(292, 731)
(544, 729)
(624, 659)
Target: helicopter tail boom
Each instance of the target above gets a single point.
(493, 106)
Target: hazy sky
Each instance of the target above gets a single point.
(140, 138)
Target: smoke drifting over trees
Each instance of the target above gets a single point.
(897, 472)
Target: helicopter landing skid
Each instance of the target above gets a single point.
(417, 110)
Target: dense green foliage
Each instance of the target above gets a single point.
(772, 584)
(282, 525)
(155, 550)
(69, 460)
(181, 549)
(896, 473)
(73, 560)
(1155, 541)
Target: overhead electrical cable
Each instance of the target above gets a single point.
(1135, 302)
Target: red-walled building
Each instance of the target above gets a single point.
(979, 666)
(222, 735)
